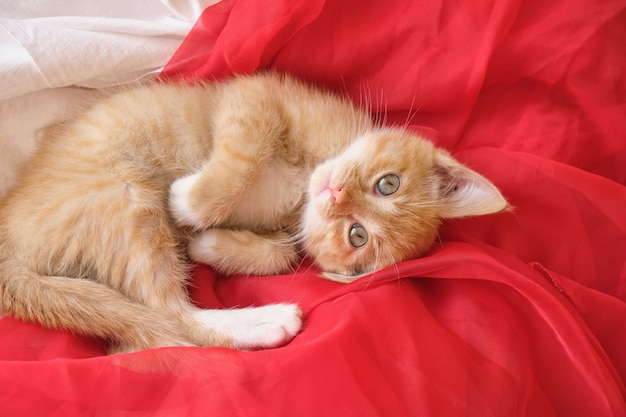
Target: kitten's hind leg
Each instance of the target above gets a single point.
(254, 327)
(247, 128)
(242, 252)
(86, 307)
(155, 274)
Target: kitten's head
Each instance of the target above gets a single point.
(382, 200)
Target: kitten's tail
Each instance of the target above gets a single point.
(86, 307)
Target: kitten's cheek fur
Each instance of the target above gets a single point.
(179, 202)
(254, 327)
(320, 179)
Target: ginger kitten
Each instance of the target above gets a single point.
(240, 175)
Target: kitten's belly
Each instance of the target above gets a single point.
(273, 199)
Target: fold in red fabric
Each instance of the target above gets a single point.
(515, 314)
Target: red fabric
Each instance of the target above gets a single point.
(517, 314)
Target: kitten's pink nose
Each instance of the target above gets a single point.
(338, 195)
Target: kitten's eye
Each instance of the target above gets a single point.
(388, 184)
(358, 235)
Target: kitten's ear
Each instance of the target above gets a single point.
(464, 192)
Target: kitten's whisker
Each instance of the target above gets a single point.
(432, 226)
(308, 268)
(395, 263)
(426, 222)
(286, 241)
(299, 236)
(428, 203)
(299, 265)
(411, 113)
(439, 240)
(384, 108)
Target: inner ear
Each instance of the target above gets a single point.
(464, 192)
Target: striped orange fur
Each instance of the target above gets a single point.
(96, 234)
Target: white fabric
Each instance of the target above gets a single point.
(57, 43)
(49, 48)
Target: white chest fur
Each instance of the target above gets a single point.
(276, 193)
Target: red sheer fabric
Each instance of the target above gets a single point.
(516, 314)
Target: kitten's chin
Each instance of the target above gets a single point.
(344, 279)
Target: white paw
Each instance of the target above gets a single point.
(179, 201)
(202, 247)
(254, 327)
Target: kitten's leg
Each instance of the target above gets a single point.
(86, 307)
(148, 267)
(254, 327)
(247, 128)
(155, 275)
(242, 252)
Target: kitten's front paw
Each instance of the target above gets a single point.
(179, 202)
(242, 252)
(255, 327)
